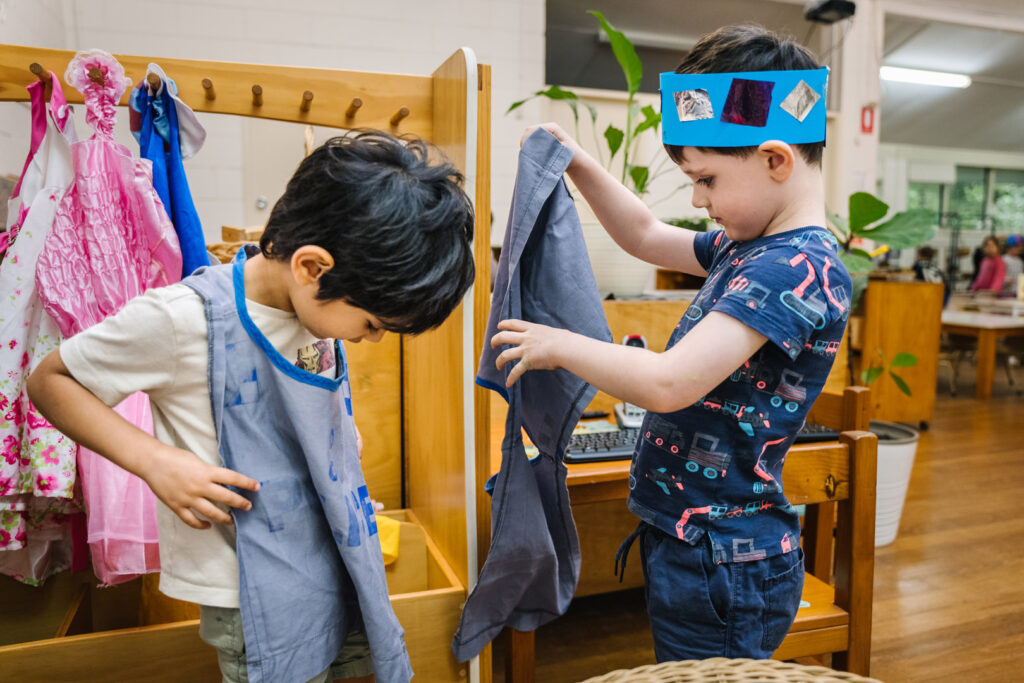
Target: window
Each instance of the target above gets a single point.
(967, 198)
(925, 196)
(1008, 202)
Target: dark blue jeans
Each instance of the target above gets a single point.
(699, 609)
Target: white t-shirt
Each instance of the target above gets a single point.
(158, 344)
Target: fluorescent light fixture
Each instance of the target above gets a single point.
(922, 77)
(659, 41)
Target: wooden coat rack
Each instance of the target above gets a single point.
(396, 103)
(445, 418)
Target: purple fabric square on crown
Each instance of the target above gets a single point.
(748, 102)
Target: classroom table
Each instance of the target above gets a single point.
(988, 328)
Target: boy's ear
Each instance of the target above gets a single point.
(309, 263)
(779, 158)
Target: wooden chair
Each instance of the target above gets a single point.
(846, 411)
(835, 480)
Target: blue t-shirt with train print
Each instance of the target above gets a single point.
(715, 467)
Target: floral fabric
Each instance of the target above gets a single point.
(35, 459)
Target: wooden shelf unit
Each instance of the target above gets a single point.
(414, 397)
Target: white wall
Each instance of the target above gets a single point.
(406, 36)
(38, 22)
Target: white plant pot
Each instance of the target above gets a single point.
(897, 445)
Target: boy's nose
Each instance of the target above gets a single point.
(698, 199)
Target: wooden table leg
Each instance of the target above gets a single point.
(986, 363)
(519, 656)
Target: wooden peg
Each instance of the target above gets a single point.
(307, 98)
(208, 87)
(154, 82)
(257, 96)
(44, 77)
(353, 107)
(399, 115)
(39, 72)
(96, 75)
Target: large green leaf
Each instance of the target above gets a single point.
(900, 383)
(624, 51)
(870, 375)
(904, 360)
(865, 209)
(856, 264)
(553, 93)
(905, 230)
(652, 119)
(614, 137)
(639, 174)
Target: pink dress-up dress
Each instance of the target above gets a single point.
(37, 463)
(111, 240)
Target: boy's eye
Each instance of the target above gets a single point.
(705, 181)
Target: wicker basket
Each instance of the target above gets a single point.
(225, 251)
(722, 670)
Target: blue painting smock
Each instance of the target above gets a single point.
(544, 276)
(309, 559)
(715, 467)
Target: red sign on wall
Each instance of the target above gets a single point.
(867, 119)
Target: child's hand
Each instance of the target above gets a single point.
(555, 130)
(536, 347)
(188, 486)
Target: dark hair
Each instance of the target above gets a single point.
(399, 228)
(746, 48)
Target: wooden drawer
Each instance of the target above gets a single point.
(425, 592)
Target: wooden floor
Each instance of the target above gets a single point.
(949, 592)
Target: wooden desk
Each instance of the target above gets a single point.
(987, 328)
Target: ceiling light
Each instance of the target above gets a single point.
(922, 77)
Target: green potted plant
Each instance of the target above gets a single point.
(897, 443)
(639, 119)
(902, 230)
(897, 446)
(618, 146)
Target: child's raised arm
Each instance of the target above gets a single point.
(660, 382)
(181, 480)
(623, 215)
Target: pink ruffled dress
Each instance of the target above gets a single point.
(111, 241)
(37, 463)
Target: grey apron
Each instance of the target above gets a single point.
(309, 560)
(543, 276)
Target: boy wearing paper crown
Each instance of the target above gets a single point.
(743, 117)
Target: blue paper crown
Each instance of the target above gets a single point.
(743, 109)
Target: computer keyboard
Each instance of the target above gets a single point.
(620, 443)
(599, 446)
(811, 432)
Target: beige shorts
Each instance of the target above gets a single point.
(221, 628)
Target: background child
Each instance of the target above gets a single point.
(992, 270)
(342, 258)
(721, 553)
(1013, 263)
